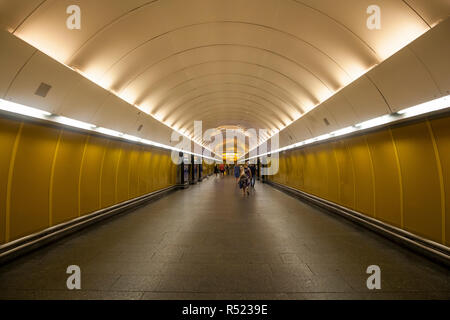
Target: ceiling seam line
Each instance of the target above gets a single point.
(229, 91)
(221, 21)
(242, 99)
(233, 61)
(224, 73)
(342, 25)
(28, 16)
(428, 70)
(261, 124)
(266, 119)
(234, 84)
(379, 91)
(176, 54)
(17, 73)
(101, 29)
(315, 100)
(417, 13)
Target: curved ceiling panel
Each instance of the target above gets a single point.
(277, 104)
(258, 102)
(252, 63)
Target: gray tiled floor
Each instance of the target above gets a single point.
(209, 242)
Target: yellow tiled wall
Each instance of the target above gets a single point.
(399, 175)
(49, 175)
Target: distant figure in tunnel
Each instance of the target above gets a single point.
(253, 179)
(244, 179)
(237, 172)
(216, 170)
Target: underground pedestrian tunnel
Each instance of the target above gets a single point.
(104, 165)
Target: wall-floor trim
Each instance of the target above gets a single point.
(432, 250)
(19, 247)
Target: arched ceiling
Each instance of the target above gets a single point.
(249, 63)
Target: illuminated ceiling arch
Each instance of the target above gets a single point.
(188, 60)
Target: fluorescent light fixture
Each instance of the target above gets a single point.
(131, 138)
(23, 110)
(108, 132)
(322, 137)
(423, 108)
(17, 108)
(73, 123)
(145, 141)
(128, 99)
(430, 106)
(341, 132)
(374, 122)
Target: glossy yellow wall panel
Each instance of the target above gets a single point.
(364, 195)
(155, 171)
(122, 183)
(400, 175)
(66, 173)
(172, 170)
(441, 132)
(58, 174)
(134, 173)
(311, 173)
(90, 174)
(332, 175)
(109, 174)
(8, 134)
(346, 172)
(144, 169)
(420, 180)
(168, 172)
(294, 172)
(300, 155)
(288, 168)
(164, 168)
(30, 181)
(319, 179)
(388, 202)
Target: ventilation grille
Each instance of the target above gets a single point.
(43, 90)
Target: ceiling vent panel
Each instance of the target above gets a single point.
(43, 90)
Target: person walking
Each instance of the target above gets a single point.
(216, 170)
(244, 179)
(237, 173)
(253, 171)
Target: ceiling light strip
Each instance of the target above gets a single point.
(420, 109)
(35, 113)
(127, 100)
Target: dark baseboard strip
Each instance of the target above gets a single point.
(183, 186)
(21, 246)
(432, 250)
